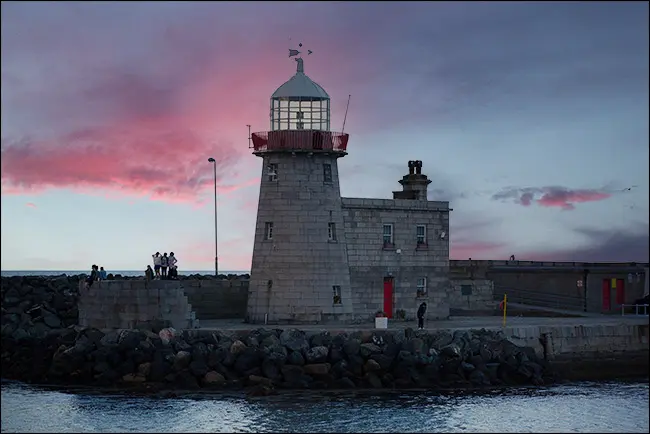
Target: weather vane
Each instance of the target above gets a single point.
(297, 52)
(292, 53)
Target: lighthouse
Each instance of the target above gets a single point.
(299, 271)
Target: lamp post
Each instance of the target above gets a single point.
(216, 248)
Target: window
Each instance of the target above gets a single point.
(272, 172)
(336, 296)
(388, 235)
(422, 286)
(331, 231)
(268, 230)
(421, 235)
(327, 173)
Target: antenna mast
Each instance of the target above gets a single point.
(249, 136)
(346, 113)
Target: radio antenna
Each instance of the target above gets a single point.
(249, 136)
(346, 113)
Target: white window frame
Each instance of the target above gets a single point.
(272, 172)
(422, 286)
(421, 240)
(331, 231)
(325, 180)
(268, 230)
(336, 290)
(390, 235)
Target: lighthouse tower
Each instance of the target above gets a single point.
(300, 271)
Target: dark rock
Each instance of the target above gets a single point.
(369, 349)
(352, 347)
(322, 339)
(182, 360)
(294, 340)
(292, 373)
(371, 366)
(344, 383)
(250, 358)
(336, 354)
(383, 360)
(271, 370)
(198, 368)
(317, 354)
(317, 369)
(373, 381)
(295, 358)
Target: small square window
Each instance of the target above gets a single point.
(272, 172)
(327, 173)
(268, 230)
(336, 296)
(422, 287)
(421, 235)
(331, 231)
(388, 235)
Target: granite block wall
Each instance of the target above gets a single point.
(408, 263)
(127, 303)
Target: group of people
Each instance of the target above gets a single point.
(164, 267)
(96, 273)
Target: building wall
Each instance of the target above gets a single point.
(481, 294)
(370, 262)
(568, 285)
(217, 299)
(293, 274)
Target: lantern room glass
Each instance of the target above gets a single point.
(300, 114)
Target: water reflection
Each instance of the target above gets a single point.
(584, 407)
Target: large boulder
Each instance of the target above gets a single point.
(294, 340)
(317, 354)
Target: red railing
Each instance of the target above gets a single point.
(306, 140)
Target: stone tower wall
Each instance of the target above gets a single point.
(294, 272)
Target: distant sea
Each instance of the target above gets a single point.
(130, 273)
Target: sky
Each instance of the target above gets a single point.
(531, 118)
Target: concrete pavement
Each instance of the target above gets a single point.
(488, 322)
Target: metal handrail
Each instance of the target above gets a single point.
(300, 140)
(636, 309)
(540, 298)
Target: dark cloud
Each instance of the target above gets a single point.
(603, 246)
(552, 196)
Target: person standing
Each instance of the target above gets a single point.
(148, 273)
(164, 263)
(422, 310)
(171, 260)
(156, 263)
(94, 275)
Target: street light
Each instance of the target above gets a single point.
(216, 248)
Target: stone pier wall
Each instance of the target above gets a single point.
(128, 304)
(217, 299)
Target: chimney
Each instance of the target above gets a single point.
(414, 185)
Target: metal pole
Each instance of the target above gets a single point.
(216, 243)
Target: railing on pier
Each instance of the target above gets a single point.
(300, 140)
(635, 309)
(539, 298)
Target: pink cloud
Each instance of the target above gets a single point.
(554, 196)
(30, 205)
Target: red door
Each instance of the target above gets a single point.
(388, 296)
(620, 291)
(606, 295)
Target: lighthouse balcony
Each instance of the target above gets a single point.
(309, 141)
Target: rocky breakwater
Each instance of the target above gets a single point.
(32, 306)
(266, 360)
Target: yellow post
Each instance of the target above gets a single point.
(505, 306)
